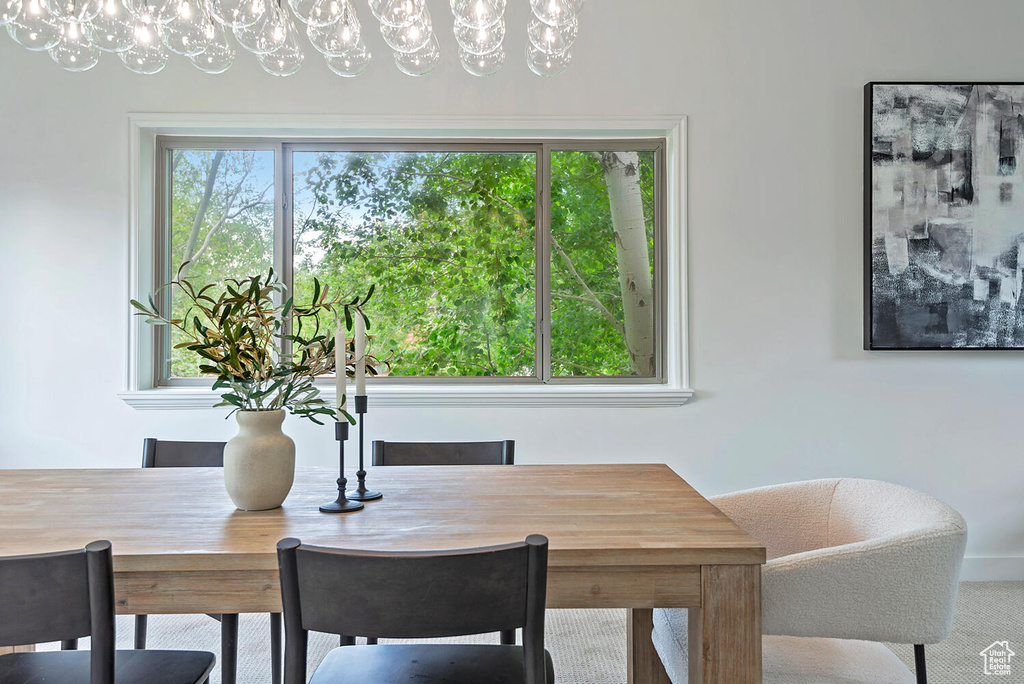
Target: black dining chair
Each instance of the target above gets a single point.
(68, 595)
(414, 595)
(167, 454)
(443, 453)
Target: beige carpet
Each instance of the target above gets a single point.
(589, 646)
(985, 612)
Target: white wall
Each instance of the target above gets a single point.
(774, 95)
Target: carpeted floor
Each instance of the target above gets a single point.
(589, 646)
(985, 612)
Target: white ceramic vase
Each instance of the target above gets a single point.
(259, 462)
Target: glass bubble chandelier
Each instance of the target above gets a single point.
(145, 33)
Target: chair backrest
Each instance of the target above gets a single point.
(443, 453)
(878, 562)
(922, 541)
(165, 454)
(413, 595)
(59, 596)
(862, 510)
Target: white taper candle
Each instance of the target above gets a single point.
(360, 354)
(339, 363)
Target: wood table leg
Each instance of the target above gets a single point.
(725, 633)
(4, 650)
(643, 665)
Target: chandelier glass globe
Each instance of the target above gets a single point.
(9, 9)
(327, 12)
(301, 9)
(547, 64)
(339, 38)
(551, 39)
(478, 13)
(81, 10)
(555, 12)
(153, 11)
(351, 64)
(237, 14)
(249, 37)
(186, 33)
(410, 38)
(113, 29)
(285, 60)
(397, 13)
(479, 41)
(34, 27)
(75, 51)
(218, 55)
(482, 65)
(147, 55)
(266, 35)
(421, 62)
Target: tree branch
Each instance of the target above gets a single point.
(591, 297)
(227, 215)
(563, 295)
(577, 298)
(217, 226)
(490, 360)
(200, 217)
(305, 224)
(255, 203)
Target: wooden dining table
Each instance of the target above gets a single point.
(636, 537)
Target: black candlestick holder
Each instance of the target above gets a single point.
(361, 493)
(342, 504)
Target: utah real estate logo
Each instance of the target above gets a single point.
(997, 658)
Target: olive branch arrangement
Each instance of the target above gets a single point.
(239, 332)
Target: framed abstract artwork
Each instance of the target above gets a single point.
(944, 216)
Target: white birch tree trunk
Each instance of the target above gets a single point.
(622, 178)
(200, 217)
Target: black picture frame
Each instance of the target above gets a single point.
(869, 325)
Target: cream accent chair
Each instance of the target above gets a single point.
(850, 562)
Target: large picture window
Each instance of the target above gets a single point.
(494, 261)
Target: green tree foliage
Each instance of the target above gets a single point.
(448, 237)
(587, 317)
(450, 240)
(222, 226)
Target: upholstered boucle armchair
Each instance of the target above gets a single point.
(850, 562)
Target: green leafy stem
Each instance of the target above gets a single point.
(239, 331)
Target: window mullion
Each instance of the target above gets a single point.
(661, 243)
(163, 266)
(284, 230)
(543, 228)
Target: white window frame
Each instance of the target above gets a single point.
(673, 390)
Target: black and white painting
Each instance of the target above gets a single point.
(945, 216)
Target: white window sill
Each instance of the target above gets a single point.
(440, 396)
